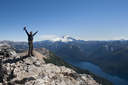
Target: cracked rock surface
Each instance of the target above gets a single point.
(24, 70)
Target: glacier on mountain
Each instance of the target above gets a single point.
(64, 38)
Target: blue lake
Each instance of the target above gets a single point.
(122, 80)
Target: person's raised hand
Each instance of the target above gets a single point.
(24, 27)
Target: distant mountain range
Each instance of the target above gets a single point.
(67, 38)
(71, 52)
(97, 52)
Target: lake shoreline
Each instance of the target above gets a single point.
(122, 80)
(110, 73)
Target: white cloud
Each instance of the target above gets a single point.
(120, 38)
(47, 37)
(101, 39)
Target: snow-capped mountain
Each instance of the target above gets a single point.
(64, 38)
(67, 38)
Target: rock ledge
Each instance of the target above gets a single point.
(24, 70)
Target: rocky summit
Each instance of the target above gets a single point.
(23, 70)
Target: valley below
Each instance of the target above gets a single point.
(116, 79)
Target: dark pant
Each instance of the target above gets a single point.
(30, 52)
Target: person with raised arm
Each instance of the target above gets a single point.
(30, 41)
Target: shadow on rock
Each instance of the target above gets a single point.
(15, 60)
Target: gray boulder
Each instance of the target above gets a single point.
(24, 70)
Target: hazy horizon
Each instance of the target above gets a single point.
(116, 39)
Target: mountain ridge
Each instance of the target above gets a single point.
(94, 48)
(67, 38)
(31, 70)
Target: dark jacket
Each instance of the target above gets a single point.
(30, 37)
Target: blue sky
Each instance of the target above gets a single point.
(83, 19)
